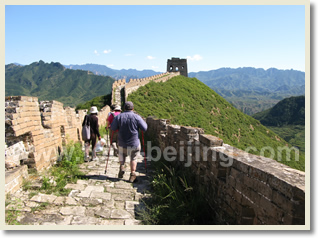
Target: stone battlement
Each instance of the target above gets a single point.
(121, 89)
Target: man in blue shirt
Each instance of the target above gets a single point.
(128, 123)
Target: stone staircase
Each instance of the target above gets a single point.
(97, 199)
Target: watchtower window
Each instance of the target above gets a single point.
(177, 68)
(182, 67)
(171, 68)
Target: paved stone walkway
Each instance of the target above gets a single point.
(99, 200)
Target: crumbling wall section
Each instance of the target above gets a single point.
(242, 188)
(35, 132)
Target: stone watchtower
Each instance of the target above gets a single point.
(178, 65)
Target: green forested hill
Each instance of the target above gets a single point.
(287, 119)
(55, 82)
(290, 111)
(189, 102)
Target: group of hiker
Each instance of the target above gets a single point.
(123, 128)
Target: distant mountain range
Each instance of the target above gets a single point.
(249, 78)
(253, 90)
(54, 82)
(116, 74)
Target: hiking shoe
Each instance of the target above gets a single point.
(121, 172)
(86, 159)
(132, 178)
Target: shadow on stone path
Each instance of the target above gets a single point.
(96, 199)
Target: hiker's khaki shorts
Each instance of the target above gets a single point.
(132, 152)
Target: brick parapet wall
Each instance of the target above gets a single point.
(121, 87)
(36, 132)
(249, 190)
(134, 84)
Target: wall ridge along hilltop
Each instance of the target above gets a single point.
(121, 89)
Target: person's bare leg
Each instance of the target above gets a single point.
(122, 158)
(133, 166)
(115, 148)
(94, 152)
(87, 145)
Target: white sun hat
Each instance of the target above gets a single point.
(93, 110)
(117, 108)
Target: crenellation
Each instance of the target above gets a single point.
(120, 87)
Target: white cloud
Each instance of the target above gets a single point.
(110, 65)
(154, 67)
(107, 51)
(195, 58)
(95, 52)
(150, 57)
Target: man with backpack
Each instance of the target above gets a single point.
(128, 123)
(92, 121)
(113, 134)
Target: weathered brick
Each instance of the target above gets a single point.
(191, 130)
(262, 188)
(237, 175)
(282, 201)
(210, 140)
(241, 166)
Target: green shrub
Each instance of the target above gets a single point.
(65, 171)
(175, 200)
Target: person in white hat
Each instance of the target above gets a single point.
(94, 134)
(113, 134)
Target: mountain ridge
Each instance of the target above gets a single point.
(114, 73)
(52, 81)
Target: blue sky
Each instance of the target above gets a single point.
(144, 37)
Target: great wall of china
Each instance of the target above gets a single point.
(254, 190)
(121, 89)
